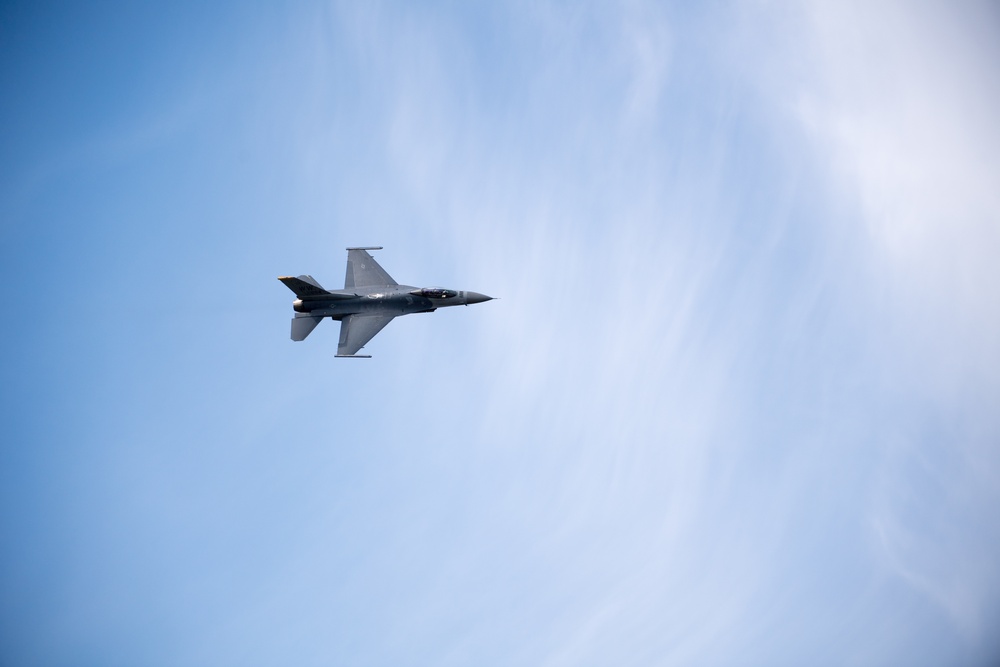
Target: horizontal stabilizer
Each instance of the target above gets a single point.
(303, 286)
(303, 326)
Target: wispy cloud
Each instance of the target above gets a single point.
(904, 104)
(732, 407)
(652, 390)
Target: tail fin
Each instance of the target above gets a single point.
(303, 286)
(302, 326)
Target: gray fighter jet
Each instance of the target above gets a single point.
(368, 302)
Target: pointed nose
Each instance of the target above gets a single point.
(476, 297)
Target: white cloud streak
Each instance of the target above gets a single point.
(904, 105)
(631, 385)
(734, 406)
(710, 419)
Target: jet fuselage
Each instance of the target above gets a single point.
(369, 301)
(388, 300)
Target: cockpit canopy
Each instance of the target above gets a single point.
(435, 293)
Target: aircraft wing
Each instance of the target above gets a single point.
(356, 330)
(364, 271)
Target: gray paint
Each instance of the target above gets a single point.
(369, 301)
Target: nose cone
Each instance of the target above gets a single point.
(476, 297)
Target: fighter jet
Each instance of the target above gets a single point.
(369, 301)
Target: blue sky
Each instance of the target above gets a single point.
(737, 404)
